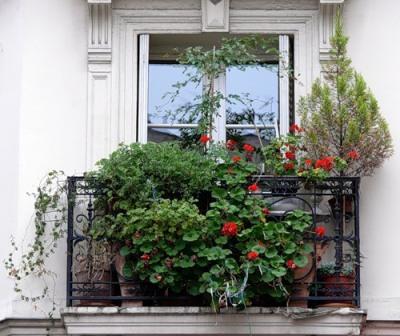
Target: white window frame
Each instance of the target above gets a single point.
(113, 56)
(220, 126)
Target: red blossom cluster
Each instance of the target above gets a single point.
(320, 231)
(231, 144)
(291, 264)
(252, 187)
(145, 257)
(290, 155)
(248, 148)
(204, 138)
(288, 166)
(353, 155)
(325, 163)
(252, 255)
(266, 211)
(229, 229)
(295, 128)
(236, 158)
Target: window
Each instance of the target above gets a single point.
(262, 91)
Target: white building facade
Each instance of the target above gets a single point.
(71, 90)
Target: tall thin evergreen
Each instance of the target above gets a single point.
(341, 116)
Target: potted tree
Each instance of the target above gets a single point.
(341, 117)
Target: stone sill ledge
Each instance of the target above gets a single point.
(203, 321)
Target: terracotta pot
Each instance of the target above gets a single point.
(337, 286)
(303, 278)
(128, 287)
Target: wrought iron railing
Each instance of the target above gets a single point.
(332, 277)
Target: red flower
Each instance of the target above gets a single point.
(252, 255)
(295, 128)
(353, 155)
(252, 187)
(325, 163)
(308, 162)
(266, 211)
(290, 264)
(290, 155)
(248, 148)
(288, 166)
(236, 158)
(320, 231)
(229, 229)
(230, 144)
(204, 139)
(145, 257)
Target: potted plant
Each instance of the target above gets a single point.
(341, 118)
(336, 283)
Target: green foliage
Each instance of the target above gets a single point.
(136, 175)
(341, 116)
(159, 242)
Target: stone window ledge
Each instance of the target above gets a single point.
(203, 321)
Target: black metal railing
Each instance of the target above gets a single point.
(331, 278)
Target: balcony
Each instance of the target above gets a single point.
(331, 277)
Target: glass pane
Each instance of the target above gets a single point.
(249, 136)
(253, 94)
(184, 135)
(162, 110)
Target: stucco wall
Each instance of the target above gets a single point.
(43, 101)
(373, 27)
(43, 108)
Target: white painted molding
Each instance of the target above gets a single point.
(203, 321)
(331, 1)
(101, 126)
(144, 49)
(99, 1)
(283, 85)
(327, 14)
(215, 15)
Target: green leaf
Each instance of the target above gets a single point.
(124, 251)
(191, 236)
(301, 261)
(127, 271)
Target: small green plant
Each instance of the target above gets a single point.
(27, 262)
(341, 116)
(330, 269)
(135, 175)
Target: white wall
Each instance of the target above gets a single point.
(373, 27)
(10, 82)
(44, 73)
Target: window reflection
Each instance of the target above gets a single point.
(253, 94)
(162, 85)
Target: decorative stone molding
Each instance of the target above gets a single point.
(327, 14)
(203, 321)
(331, 1)
(215, 15)
(100, 124)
